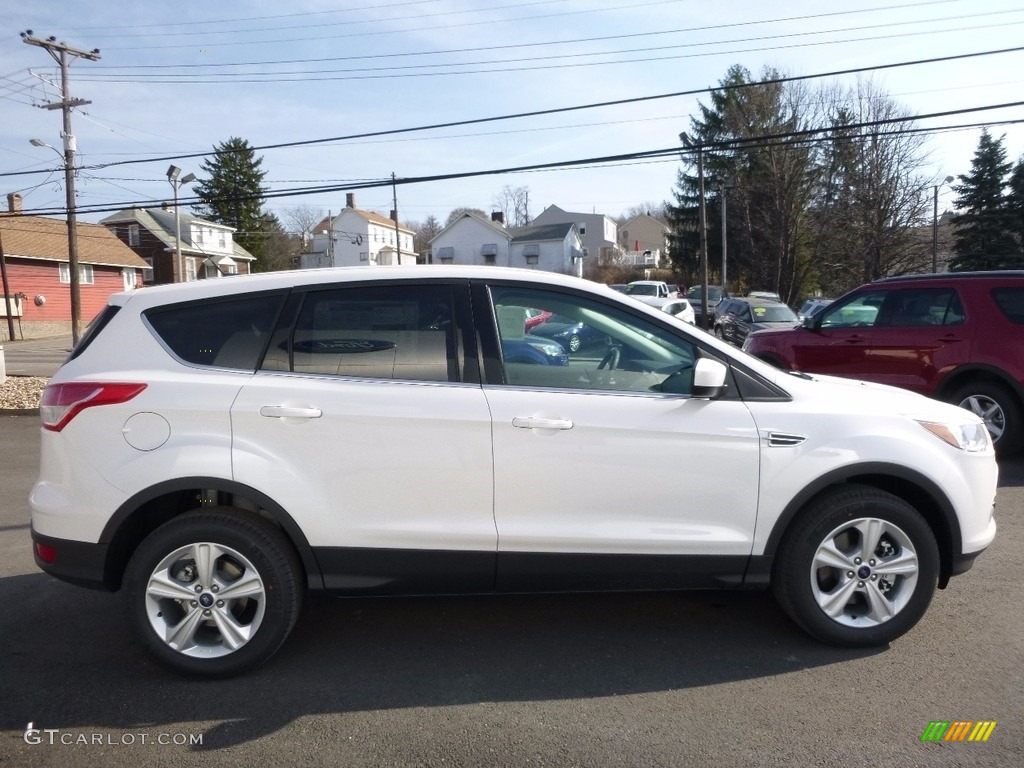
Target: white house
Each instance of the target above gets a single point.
(551, 247)
(355, 237)
(472, 239)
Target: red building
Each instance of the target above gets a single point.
(34, 254)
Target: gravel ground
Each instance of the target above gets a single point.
(21, 393)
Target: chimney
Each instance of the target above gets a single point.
(166, 206)
(394, 215)
(498, 217)
(350, 200)
(14, 203)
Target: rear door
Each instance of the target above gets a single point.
(367, 424)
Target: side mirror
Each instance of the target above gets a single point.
(810, 322)
(709, 379)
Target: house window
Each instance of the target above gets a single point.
(199, 235)
(133, 235)
(446, 254)
(128, 276)
(489, 259)
(364, 255)
(190, 269)
(85, 273)
(222, 239)
(210, 270)
(147, 273)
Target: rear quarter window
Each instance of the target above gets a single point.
(1011, 303)
(93, 330)
(221, 333)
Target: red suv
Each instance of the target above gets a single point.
(954, 336)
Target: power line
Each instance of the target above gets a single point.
(554, 110)
(451, 69)
(547, 43)
(768, 140)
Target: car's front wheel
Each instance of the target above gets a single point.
(858, 567)
(213, 593)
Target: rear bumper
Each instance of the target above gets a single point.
(76, 562)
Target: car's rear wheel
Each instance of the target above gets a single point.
(858, 567)
(574, 343)
(213, 593)
(999, 408)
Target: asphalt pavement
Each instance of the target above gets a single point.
(691, 679)
(35, 357)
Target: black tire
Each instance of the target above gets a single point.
(574, 344)
(1000, 409)
(217, 637)
(860, 605)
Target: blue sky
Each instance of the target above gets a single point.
(178, 78)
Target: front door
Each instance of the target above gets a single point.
(607, 472)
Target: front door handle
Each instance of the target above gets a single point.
(290, 412)
(531, 422)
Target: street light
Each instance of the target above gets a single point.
(68, 158)
(935, 223)
(172, 176)
(683, 137)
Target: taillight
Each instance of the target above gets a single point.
(62, 402)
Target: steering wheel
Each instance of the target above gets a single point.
(611, 359)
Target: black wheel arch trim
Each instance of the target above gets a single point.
(116, 524)
(956, 378)
(881, 475)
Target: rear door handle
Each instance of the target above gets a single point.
(531, 422)
(950, 339)
(290, 412)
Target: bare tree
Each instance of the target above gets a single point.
(302, 219)
(425, 232)
(514, 204)
(456, 213)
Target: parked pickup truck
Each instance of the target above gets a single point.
(650, 288)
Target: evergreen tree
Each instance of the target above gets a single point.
(232, 193)
(983, 229)
(1015, 205)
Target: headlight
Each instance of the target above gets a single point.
(972, 437)
(551, 350)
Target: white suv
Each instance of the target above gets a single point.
(218, 449)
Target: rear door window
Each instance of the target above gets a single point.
(921, 307)
(403, 332)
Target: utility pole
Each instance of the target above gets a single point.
(330, 239)
(64, 55)
(703, 224)
(398, 235)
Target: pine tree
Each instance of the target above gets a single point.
(983, 231)
(1015, 205)
(232, 193)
